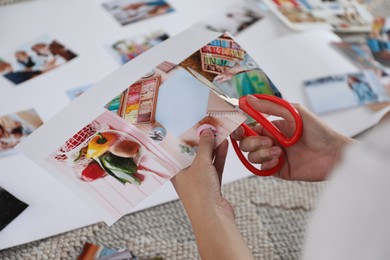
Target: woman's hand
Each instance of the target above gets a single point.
(199, 186)
(211, 216)
(310, 159)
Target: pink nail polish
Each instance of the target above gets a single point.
(207, 126)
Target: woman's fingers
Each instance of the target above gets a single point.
(268, 107)
(254, 143)
(238, 134)
(265, 154)
(269, 164)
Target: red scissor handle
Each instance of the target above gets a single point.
(270, 127)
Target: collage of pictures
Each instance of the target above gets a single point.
(149, 131)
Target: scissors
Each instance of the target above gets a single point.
(243, 105)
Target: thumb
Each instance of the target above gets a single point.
(206, 145)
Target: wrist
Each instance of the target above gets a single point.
(199, 208)
(217, 234)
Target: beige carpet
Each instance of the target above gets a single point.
(272, 215)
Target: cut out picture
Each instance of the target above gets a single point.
(131, 11)
(15, 127)
(127, 49)
(334, 93)
(234, 19)
(76, 92)
(379, 40)
(10, 206)
(33, 59)
(230, 68)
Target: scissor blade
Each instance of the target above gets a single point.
(213, 88)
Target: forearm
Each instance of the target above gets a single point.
(217, 234)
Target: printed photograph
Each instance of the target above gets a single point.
(33, 59)
(347, 17)
(131, 11)
(127, 49)
(10, 206)
(296, 13)
(137, 104)
(115, 162)
(15, 127)
(229, 67)
(358, 53)
(379, 40)
(233, 19)
(334, 93)
(109, 146)
(362, 57)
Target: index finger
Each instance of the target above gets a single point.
(269, 107)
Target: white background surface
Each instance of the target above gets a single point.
(86, 28)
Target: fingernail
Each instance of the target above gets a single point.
(239, 131)
(276, 151)
(207, 130)
(251, 98)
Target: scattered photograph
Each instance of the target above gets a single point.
(10, 206)
(359, 54)
(95, 251)
(131, 11)
(76, 92)
(379, 40)
(362, 57)
(347, 16)
(340, 16)
(127, 49)
(15, 127)
(296, 13)
(234, 19)
(334, 93)
(33, 59)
